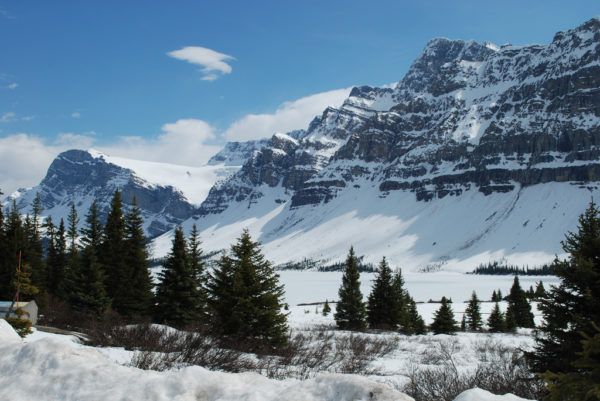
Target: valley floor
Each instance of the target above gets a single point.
(57, 367)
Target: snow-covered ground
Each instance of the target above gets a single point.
(455, 233)
(305, 287)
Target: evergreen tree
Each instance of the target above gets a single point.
(222, 299)
(177, 296)
(197, 266)
(415, 323)
(582, 383)
(256, 285)
(494, 297)
(473, 314)
(463, 323)
(572, 308)
(5, 268)
(381, 300)
(500, 297)
(496, 323)
(73, 222)
(137, 301)
(350, 309)
(112, 251)
(519, 306)
(16, 243)
(92, 233)
(400, 302)
(326, 309)
(35, 251)
(510, 321)
(87, 293)
(443, 319)
(540, 291)
(59, 266)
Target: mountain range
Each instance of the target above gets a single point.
(479, 153)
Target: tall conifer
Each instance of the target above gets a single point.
(350, 311)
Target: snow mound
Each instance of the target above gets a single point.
(7, 333)
(477, 394)
(62, 372)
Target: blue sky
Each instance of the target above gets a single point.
(93, 72)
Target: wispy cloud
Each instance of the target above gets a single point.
(213, 63)
(11, 116)
(291, 115)
(6, 14)
(12, 86)
(76, 115)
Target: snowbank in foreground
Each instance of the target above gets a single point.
(7, 333)
(52, 370)
(478, 394)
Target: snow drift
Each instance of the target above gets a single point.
(54, 371)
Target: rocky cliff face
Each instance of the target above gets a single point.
(466, 115)
(79, 176)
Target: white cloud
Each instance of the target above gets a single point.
(12, 86)
(182, 142)
(8, 117)
(76, 115)
(212, 62)
(24, 158)
(295, 114)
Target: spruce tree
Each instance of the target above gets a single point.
(35, 250)
(326, 308)
(112, 251)
(350, 311)
(510, 321)
(399, 307)
(540, 291)
(583, 383)
(381, 300)
(572, 308)
(519, 306)
(197, 266)
(16, 243)
(138, 300)
(59, 268)
(415, 323)
(177, 296)
(222, 299)
(473, 314)
(496, 322)
(5, 268)
(260, 296)
(87, 294)
(463, 323)
(494, 297)
(443, 319)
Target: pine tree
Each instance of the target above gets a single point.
(473, 314)
(16, 242)
(463, 323)
(416, 324)
(443, 319)
(582, 383)
(73, 222)
(350, 310)
(87, 293)
(222, 299)
(381, 300)
(572, 308)
(510, 321)
(177, 296)
(494, 297)
(34, 251)
(500, 297)
(197, 266)
(326, 308)
(112, 251)
(59, 266)
(496, 323)
(260, 296)
(400, 302)
(5, 269)
(540, 291)
(519, 306)
(137, 301)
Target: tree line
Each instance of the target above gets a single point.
(103, 268)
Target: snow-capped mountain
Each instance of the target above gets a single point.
(480, 151)
(167, 194)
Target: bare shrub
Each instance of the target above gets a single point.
(499, 369)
